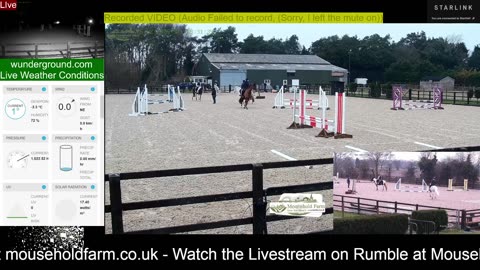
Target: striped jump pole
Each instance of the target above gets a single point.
(339, 122)
(306, 121)
(299, 111)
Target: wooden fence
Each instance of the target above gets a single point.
(91, 49)
(258, 195)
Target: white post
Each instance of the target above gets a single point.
(88, 31)
(344, 104)
(282, 91)
(294, 104)
(336, 114)
(136, 103)
(320, 100)
(180, 99)
(146, 99)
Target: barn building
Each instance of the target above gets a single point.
(273, 70)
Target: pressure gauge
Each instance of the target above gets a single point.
(17, 160)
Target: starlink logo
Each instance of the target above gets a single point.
(453, 7)
(8, 4)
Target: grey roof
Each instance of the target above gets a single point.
(432, 78)
(264, 58)
(259, 66)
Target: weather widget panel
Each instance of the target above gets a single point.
(52, 158)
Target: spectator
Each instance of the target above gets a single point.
(214, 93)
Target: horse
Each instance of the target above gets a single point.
(198, 91)
(433, 192)
(380, 182)
(247, 95)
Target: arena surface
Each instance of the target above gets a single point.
(209, 134)
(459, 199)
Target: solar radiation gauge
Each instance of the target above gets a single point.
(17, 160)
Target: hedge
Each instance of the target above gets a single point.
(440, 218)
(372, 224)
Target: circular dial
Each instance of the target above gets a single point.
(15, 109)
(17, 160)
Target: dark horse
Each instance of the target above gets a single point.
(197, 92)
(380, 182)
(247, 95)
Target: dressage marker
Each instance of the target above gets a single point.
(423, 188)
(281, 101)
(398, 104)
(335, 127)
(143, 99)
(451, 187)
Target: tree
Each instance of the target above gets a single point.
(292, 46)
(364, 168)
(427, 164)
(398, 164)
(410, 175)
(304, 51)
(474, 60)
(221, 41)
(378, 159)
(252, 44)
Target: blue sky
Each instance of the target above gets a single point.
(307, 33)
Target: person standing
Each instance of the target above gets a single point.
(214, 94)
(348, 182)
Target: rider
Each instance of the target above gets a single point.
(433, 183)
(244, 86)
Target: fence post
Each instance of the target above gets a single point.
(396, 205)
(259, 206)
(358, 205)
(343, 207)
(36, 51)
(409, 94)
(96, 45)
(3, 50)
(116, 203)
(464, 219)
(68, 49)
(429, 95)
(454, 97)
(416, 207)
(378, 208)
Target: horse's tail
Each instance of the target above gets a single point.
(385, 185)
(436, 191)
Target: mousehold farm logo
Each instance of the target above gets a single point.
(453, 11)
(8, 4)
(298, 204)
